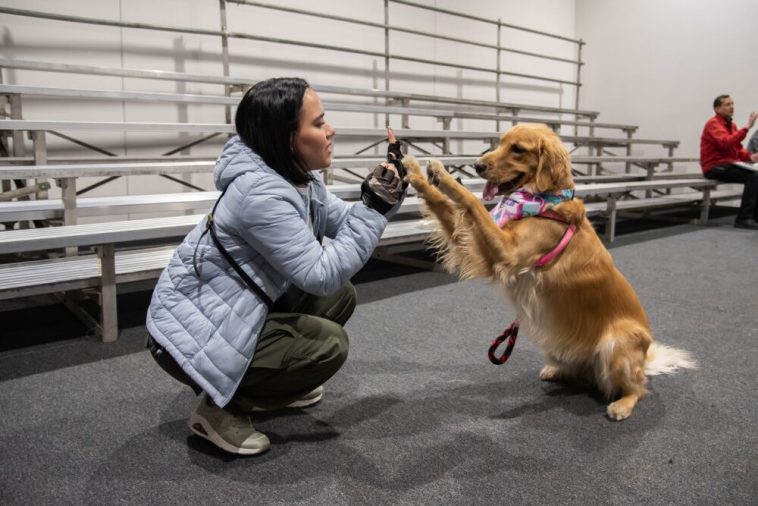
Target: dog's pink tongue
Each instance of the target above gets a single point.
(490, 190)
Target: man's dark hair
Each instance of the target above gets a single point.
(719, 99)
(266, 121)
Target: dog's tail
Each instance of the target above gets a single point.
(662, 359)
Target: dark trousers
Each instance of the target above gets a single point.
(303, 343)
(735, 174)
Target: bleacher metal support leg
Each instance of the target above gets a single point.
(650, 172)
(598, 168)
(705, 206)
(108, 310)
(68, 193)
(610, 219)
(225, 58)
(19, 149)
(40, 156)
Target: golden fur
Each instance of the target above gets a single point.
(579, 308)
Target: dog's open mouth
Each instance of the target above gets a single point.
(492, 190)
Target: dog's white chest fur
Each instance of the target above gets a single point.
(523, 292)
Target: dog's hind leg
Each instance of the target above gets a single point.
(553, 370)
(631, 392)
(620, 369)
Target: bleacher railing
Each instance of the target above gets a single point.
(497, 68)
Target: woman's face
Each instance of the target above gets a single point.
(313, 139)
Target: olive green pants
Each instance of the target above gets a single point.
(302, 344)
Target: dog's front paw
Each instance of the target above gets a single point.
(414, 175)
(438, 176)
(435, 172)
(620, 409)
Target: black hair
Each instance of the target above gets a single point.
(266, 121)
(719, 99)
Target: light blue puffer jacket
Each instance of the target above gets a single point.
(210, 322)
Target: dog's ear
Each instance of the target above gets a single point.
(554, 166)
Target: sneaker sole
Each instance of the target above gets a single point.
(300, 403)
(304, 403)
(200, 426)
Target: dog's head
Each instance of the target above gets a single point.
(529, 156)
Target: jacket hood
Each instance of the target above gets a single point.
(236, 159)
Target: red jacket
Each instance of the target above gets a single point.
(721, 144)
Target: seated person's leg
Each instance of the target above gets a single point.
(735, 174)
(751, 193)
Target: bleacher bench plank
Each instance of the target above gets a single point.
(188, 98)
(356, 132)
(174, 202)
(76, 273)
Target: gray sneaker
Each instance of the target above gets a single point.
(229, 431)
(308, 399)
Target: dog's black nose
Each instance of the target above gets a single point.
(480, 167)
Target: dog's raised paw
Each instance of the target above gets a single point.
(414, 176)
(435, 172)
(411, 164)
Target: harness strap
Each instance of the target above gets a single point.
(550, 256)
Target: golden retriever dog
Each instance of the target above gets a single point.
(578, 307)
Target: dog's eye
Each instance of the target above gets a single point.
(518, 149)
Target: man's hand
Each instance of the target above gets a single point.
(751, 120)
(754, 157)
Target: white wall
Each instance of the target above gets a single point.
(660, 63)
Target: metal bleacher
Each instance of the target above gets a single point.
(48, 248)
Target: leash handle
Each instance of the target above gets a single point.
(511, 333)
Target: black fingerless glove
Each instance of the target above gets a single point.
(382, 190)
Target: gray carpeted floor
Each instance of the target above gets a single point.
(417, 415)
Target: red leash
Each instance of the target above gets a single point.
(511, 333)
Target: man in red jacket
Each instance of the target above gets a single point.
(723, 158)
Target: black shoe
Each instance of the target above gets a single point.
(748, 223)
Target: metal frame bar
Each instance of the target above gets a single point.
(422, 33)
(341, 90)
(484, 20)
(443, 114)
(82, 143)
(225, 34)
